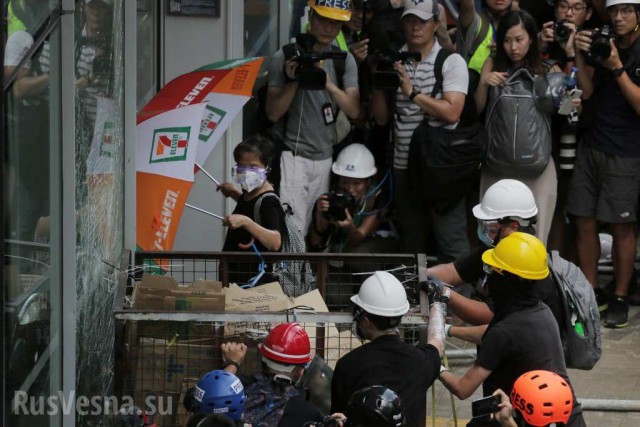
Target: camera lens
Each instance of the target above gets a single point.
(561, 32)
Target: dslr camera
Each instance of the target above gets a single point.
(308, 75)
(600, 47)
(384, 76)
(561, 32)
(338, 202)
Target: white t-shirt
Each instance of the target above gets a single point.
(409, 114)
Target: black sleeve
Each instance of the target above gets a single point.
(297, 412)
(271, 214)
(433, 362)
(494, 350)
(469, 267)
(339, 398)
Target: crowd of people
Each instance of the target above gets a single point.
(551, 88)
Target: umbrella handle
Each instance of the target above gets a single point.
(207, 174)
(203, 211)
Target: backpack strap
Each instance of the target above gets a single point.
(482, 34)
(443, 54)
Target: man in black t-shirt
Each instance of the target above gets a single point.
(605, 184)
(387, 360)
(507, 206)
(523, 334)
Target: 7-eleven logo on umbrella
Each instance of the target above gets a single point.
(212, 118)
(170, 144)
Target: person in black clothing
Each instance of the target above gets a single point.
(507, 206)
(253, 159)
(387, 360)
(523, 334)
(605, 184)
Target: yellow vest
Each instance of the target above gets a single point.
(482, 52)
(13, 23)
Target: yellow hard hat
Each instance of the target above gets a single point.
(340, 10)
(521, 254)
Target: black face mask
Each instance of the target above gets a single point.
(509, 293)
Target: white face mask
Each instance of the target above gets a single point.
(484, 230)
(249, 178)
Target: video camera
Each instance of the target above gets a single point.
(600, 47)
(338, 202)
(384, 76)
(308, 75)
(561, 32)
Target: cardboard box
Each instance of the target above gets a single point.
(157, 292)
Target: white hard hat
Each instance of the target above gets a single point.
(606, 246)
(506, 198)
(383, 295)
(615, 2)
(355, 161)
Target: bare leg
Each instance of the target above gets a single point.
(624, 255)
(588, 248)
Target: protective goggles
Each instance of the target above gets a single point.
(490, 270)
(240, 169)
(489, 226)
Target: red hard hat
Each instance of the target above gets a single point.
(287, 343)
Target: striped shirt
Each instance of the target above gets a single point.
(409, 114)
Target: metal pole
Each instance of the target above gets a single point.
(204, 171)
(203, 211)
(610, 405)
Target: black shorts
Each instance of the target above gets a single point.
(604, 186)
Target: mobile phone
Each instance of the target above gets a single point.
(567, 104)
(485, 406)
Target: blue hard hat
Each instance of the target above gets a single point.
(220, 392)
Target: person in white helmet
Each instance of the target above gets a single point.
(507, 206)
(351, 228)
(386, 359)
(605, 184)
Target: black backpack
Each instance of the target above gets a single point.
(444, 164)
(519, 131)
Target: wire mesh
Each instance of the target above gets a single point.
(162, 354)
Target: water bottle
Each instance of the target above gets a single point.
(571, 82)
(579, 328)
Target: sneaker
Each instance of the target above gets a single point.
(602, 299)
(617, 314)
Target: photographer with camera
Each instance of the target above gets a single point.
(312, 113)
(557, 38)
(413, 101)
(386, 359)
(606, 179)
(346, 220)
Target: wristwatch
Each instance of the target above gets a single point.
(414, 93)
(617, 72)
